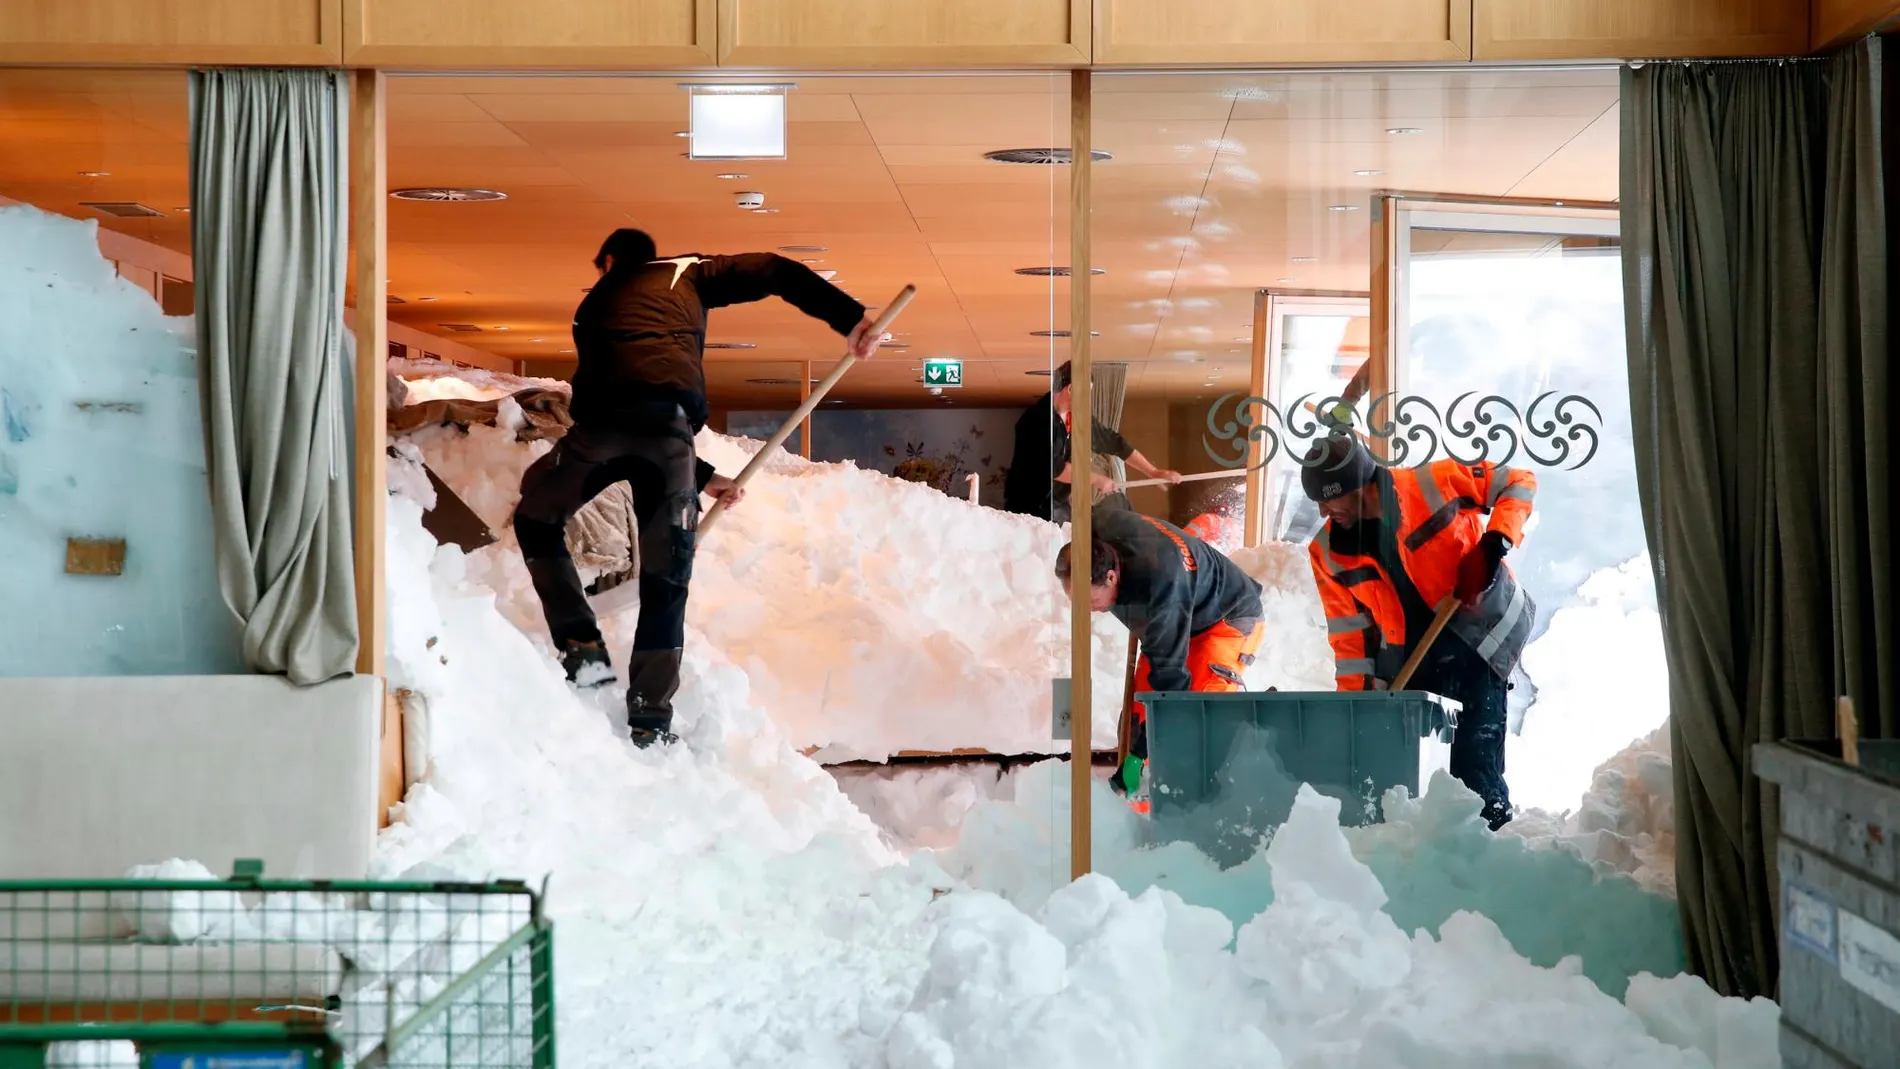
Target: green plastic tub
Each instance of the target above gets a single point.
(1223, 769)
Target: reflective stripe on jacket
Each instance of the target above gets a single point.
(1441, 517)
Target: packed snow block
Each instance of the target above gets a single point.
(99, 775)
(1839, 857)
(1225, 768)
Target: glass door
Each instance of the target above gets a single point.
(1317, 344)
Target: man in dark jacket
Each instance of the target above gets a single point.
(1040, 471)
(639, 398)
(1197, 615)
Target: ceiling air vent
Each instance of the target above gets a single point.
(1041, 156)
(439, 194)
(1056, 272)
(731, 345)
(804, 248)
(121, 209)
(461, 328)
(1060, 333)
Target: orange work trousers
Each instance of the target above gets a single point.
(1217, 661)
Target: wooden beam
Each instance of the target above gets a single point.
(1256, 499)
(1081, 617)
(1382, 341)
(804, 395)
(369, 238)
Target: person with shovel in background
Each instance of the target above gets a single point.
(1197, 616)
(1042, 451)
(1396, 543)
(639, 398)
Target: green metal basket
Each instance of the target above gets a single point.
(249, 973)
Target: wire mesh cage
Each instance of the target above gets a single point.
(218, 974)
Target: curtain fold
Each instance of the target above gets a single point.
(1108, 384)
(1755, 292)
(268, 190)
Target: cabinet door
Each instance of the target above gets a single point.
(1637, 29)
(113, 32)
(863, 34)
(439, 34)
(1281, 31)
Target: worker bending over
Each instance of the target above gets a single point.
(1395, 544)
(1041, 469)
(1197, 615)
(639, 398)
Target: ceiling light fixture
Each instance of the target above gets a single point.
(444, 195)
(567, 350)
(1368, 172)
(804, 248)
(1306, 259)
(739, 177)
(95, 174)
(1042, 157)
(1284, 281)
(1060, 334)
(1402, 130)
(737, 122)
(501, 328)
(428, 298)
(765, 211)
(1344, 208)
(1056, 272)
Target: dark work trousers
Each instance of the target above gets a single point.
(1454, 671)
(651, 450)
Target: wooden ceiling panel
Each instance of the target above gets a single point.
(1218, 183)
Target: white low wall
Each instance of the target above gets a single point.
(100, 774)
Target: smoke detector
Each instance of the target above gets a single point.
(1056, 272)
(439, 194)
(1043, 157)
(749, 200)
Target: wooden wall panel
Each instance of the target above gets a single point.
(865, 34)
(542, 34)
(1637, 29)
(164, 32)
(1835, 22)
(1281, 31)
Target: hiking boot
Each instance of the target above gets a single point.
(653, 677)
(587, 664)
(1496, 814)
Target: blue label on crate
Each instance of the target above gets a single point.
(250, 1059)
(1809, 921)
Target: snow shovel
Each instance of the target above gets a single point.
(1445, 610)
(878, 327)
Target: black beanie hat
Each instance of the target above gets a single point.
(1335, 467)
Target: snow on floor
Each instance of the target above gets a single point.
(870, 615)
(723, 904)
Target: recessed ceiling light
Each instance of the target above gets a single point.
(1403, 130)
(1249, 338)
(735, 176)
(1284, 281)
(809, 260)
(827, 274)
(804, 248)
(1306, 259)
(501, 328)
(765, 211)
(1368, 172)
(428, 298)
(682, 133)
(567, 350)
(1042, 156)
(186, 210)
(1345, 208)
(1056, 272)
(95, 174)
(538, 341)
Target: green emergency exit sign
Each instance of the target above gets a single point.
(940, 371)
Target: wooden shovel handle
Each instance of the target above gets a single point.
(1445, 610)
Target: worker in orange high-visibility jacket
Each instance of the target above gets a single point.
(1197, 615)
(1395, 544)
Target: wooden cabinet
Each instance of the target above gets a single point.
(1281, 31)
(500, 34)
(861, 34)
(1637, 29)
(124, 32)
(1835, 22)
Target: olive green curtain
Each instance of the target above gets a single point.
(1754, 231)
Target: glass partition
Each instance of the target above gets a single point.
(105, 520)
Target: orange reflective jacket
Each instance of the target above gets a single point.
(1441, 509)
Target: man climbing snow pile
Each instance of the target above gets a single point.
(1197, 616)
(1395, 544)
(1041, 469)
(639, 398)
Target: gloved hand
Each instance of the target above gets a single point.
(1127, 779)
(1479, 568)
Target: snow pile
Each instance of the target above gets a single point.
(430, 380)
(1627, 822)
(101, 437)
(868, 614)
